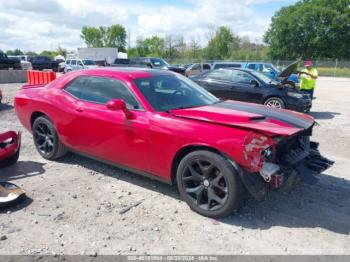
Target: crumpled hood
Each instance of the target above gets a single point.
(267, 120)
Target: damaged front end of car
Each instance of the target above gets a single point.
(280, 162)
(10, 143)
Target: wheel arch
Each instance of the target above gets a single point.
(180, 154)
(35, 115)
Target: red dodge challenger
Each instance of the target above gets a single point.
(161, 124)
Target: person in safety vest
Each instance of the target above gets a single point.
(308, 77)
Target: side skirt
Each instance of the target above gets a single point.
(132, 170)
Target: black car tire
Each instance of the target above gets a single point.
(278, 102)
(214, 176)
(46, 139)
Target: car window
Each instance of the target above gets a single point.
(73, 62)
(196, 67)
(241, 77)
(218, 66)
(101, 90)
(166, 92)
(206, 67)
(76, 86)
(252, 66)
(221, 74)
(68, 62)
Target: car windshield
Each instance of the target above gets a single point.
(167, 92)
(89, 62)
(158, 62)
(262, 77)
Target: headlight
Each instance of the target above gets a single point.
(296, 95)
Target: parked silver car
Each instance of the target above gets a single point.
(197, 68)
(78, 64)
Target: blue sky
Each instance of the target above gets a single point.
(37, 25)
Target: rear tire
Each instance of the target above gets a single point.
(209, 184)
(275, 102)
(46, 139)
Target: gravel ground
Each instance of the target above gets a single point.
(74, 204)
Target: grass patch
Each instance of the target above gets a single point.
(338, 72)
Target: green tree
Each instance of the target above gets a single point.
(221, 44)
(61, 51)
(152, 46)
(49, 53)
(92, 36)
(31, 53)
(14, 52)
(105, 36)
(310, 29)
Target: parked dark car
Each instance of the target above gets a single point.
(7, 63)
(121, 62)
(44, 62)
(156, 63)
(252, 86)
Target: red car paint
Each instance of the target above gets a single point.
(11, 142)
(149, 141)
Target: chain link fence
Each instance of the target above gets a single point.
(334, 68)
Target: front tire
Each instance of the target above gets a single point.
(209, 184)
(46, 139)
(275, 102)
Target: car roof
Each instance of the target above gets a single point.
(127, 73)
(228, 62)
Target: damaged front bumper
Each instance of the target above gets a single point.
(10, 143)
(287, 161)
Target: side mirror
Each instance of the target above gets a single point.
(119, 104)
(254, 82)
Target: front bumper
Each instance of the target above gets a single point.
(300, 105)
(293, 159)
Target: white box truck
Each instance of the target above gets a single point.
(102, 56)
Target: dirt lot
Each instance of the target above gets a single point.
(74, 204)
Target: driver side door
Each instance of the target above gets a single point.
(244, 89)
(92, 129)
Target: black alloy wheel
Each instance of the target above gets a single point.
(209, 184)
(205, 184)
(46, 139)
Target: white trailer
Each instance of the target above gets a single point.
(100, 55)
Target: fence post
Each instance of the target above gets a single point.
(335, 68)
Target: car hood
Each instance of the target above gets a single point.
(267, 120)
(288, 71)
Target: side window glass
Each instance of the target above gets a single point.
(196, 67)
(206, 67)
(73, 62)
(67, 62)
(241, 77)
(251, 66)
(221, 74)
(76, 86)
(101, 90)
